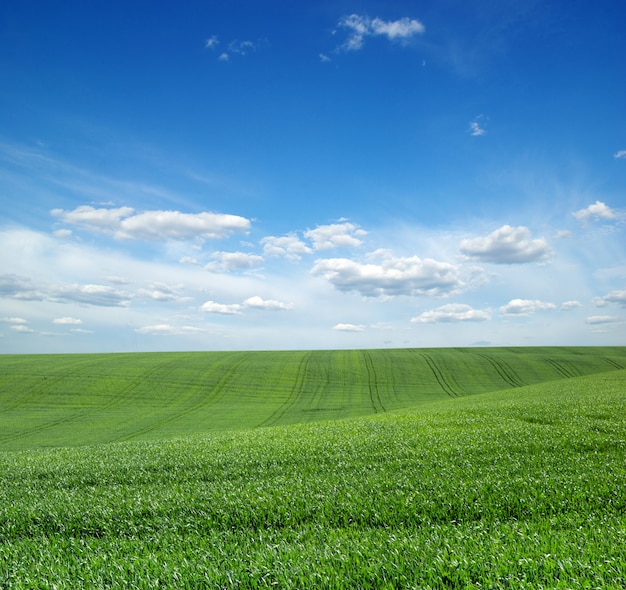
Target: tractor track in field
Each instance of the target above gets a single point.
(201, 400)
(372, 383)
(114, 401)
(440, 376)
(561, 369)
(504, 370)
(294, 396)
(612, 363)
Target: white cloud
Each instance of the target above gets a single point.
(325, 237)
(618, 297)
(14, 320)
(525, 307)
(228, 261)
(167, 330)
(507, 245)
(224, 57)
(361, 27)
(475, 128)
(569, 305)
(452, 312)
(67, 321)
(324, 58)
(163, 225)
(22, 329)
(602, 319)
(391, 276)
(154, 225)
(620, 155)
(349, 327)
(597, 210)
(22, 288)
(85, 216)
(161, 292)
(289, 246)
(257, 302)
(221, 308)
(212, 42)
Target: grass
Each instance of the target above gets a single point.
(522, 487)
(63, 400)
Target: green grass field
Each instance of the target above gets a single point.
(478, 468)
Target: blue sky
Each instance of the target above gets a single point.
(278, 175)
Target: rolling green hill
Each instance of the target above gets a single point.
(65, 400)
(522, 487)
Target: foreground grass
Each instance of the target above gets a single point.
(63, 400)
(523, 488)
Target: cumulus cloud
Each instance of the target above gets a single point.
(452, 312)
(289, 246)
(507, 245)
(257, 302)
(360, 27)
(349, 327)
(221, 308)
(618, 297)
(67, 321)
(569, 305)
(602, 319)
(597, 210)
(325, 237)
(389, 275)
(229, 261)
(212, 42)
(620, 155)
(525, 307)
(152, 226)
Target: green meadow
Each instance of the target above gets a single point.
(413, 468)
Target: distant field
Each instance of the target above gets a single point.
(61, 400)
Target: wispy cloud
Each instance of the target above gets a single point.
(452, 312)
(620, 155)
(569, 305)
(602, 319)
(349, 327)
(233, 261)
(476, 127)
(360, 27)
(151, 226)
(507, 245)
(235, 47)
(617, 296)
(67, 321)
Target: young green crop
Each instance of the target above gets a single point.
(518, 488)
(61, 400)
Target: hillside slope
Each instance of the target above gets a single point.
(506, 489)
(61, 400)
